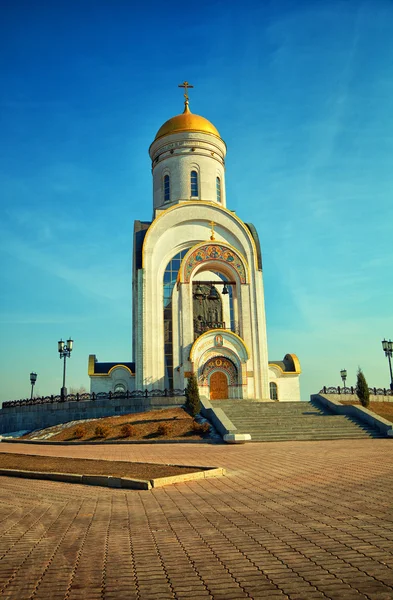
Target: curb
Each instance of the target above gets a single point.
(89, 443)
(115, 482)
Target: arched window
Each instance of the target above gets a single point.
(194, 184)
(170, 278)
(273, 391)
(167, 188)
(218, 189)
(119, 387)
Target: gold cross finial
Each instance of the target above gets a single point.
(212, 223)
(185, 85)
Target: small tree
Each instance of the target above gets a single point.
(193, 403)
(362, 391)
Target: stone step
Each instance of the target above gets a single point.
(308, 438)
(297, 423)
(305, 418)
(266, 421)
(344, 431)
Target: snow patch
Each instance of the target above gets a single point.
(48, 432)
(14, 434)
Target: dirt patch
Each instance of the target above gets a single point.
(84, 466)
(383, 409)
(170, 424)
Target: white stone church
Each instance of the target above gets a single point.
(198, 297)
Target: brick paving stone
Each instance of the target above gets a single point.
(193, 594)
(313, 518)
(309, 595)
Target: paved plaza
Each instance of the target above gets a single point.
(297, 520)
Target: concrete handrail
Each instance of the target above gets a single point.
(222, 423)
(359, 412)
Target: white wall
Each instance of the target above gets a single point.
(107, 383)
(288, 385)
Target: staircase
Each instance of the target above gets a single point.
(278, 422)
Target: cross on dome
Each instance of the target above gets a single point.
(185, 85)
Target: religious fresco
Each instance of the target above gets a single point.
(219, 363)
(219, 340)
(214, 252)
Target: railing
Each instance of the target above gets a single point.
(99, 396)
(203, 326)
(352, 390)
(206, 325)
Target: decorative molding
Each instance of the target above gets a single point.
(213, 252)
(215, 205)
(219, 363)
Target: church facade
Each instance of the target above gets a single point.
(198, 297)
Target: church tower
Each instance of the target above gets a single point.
(188, 161)
(198, 280)
(198, 297)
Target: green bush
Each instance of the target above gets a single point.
(101, 431)
(193, 403)
(362, 391)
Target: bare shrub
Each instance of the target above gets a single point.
(79, 432)
(200, 428)
(128, 430)
(164, 429)
(101, 431)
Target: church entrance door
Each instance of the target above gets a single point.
(218, 386)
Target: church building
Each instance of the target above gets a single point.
(198, 296)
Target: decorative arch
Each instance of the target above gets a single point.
(214, 253)
(120, 367)
(219, 363)
(213, 211)
(231, 352)
(230, 343)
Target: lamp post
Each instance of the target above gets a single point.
(33, 379)
(343, 374)
(65, 349)
(387, 347)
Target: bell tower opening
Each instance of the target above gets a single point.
(207, 308)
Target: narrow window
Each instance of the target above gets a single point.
(273, 391)
(218, 189)
(194, 184)
(167, 188)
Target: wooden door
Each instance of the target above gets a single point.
(218, 386)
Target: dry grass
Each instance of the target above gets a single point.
(174, 423)
(79, 432)
(383, 409)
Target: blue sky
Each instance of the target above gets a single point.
(302, 93)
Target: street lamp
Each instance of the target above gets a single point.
(343, 374)
(33, 379)
(387, 347)
(65, 349)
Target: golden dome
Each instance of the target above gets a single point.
(187, 121)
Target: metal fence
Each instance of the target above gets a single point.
(352, 390)
(99, 396)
